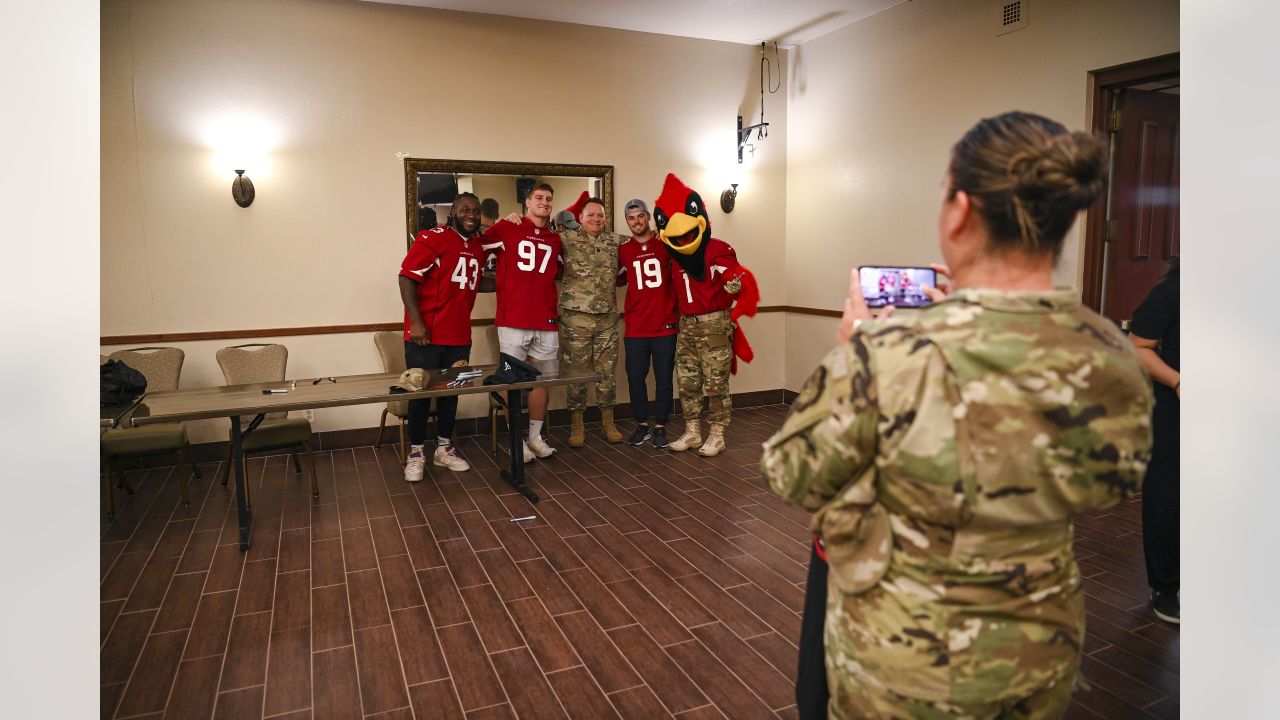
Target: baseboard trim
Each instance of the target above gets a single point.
(465, 427)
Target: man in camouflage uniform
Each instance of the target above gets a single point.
(589, 316)
(945, 456)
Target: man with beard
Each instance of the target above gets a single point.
(438, 280)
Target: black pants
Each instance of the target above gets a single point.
(662, 352)
(811, 674)
(433, 357)
(1160, 488)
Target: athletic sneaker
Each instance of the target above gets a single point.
(540, 447)
(660, 437)
(413, 468)
(640, 435)
(447, 456)
(1165, 605)
(528, 454)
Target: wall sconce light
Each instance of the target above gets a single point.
(728, 197)
(242, 190)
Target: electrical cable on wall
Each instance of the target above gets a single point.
(766, 66)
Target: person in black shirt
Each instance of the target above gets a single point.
(1155, 334)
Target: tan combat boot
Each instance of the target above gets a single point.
(577, 433)
(611, 432)
(715, 441)
(691, 438)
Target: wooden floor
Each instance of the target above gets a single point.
(651, 584)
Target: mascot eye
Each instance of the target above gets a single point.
(660, 218)
(693, 207)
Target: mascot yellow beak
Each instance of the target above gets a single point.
(686, 229)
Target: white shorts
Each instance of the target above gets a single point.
(541, 345)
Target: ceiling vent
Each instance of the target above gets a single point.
(1011, 15)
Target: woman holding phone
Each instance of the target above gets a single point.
(945, 455)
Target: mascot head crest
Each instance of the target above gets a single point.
(683, 225)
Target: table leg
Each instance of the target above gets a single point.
(515, 432)
(237, 463)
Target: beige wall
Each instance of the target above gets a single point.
(875, 107)
(337, 92)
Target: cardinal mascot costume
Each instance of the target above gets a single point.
(713, 290)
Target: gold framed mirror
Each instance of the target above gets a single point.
(430, 186)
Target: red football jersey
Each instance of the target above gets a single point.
(447, 269)
(529, 259)
(650, 309)
(696, 297)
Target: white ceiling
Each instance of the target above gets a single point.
(790, 22)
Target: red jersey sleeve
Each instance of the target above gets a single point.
(423, 254)
(724, 264)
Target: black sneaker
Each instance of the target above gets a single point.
(640, 435)
(1165, 605)
(660, 437)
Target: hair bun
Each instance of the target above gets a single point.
(1069, 170)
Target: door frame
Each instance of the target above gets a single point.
(1103, 83)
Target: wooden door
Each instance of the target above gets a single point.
(1143, 223)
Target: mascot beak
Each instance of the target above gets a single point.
(684, 233)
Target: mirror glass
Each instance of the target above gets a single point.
(430, 186)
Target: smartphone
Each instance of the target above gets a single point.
(896, 285)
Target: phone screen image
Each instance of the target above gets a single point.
(897, 286)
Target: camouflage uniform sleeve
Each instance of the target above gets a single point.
(829, 438)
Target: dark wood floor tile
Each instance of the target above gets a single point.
(148, 688)
(659, 504)
(1142, 673)
(619, 547)
(1109, 625)
(324, 521)
(559, 518)
(713, 541)
(122, 646)
(530, 694)
(597, 599)
(440, 519)
(327, 565)
(780, 652)
(109, 699)
(673, 597)
(601, 562)
(436, 700)
(714, 679)
(147, 534)
(337, 690)
(388, 540)
(741, 617)
(1166, 709)
(554, 549)
(377, 503)
(546, 583)
(543, 636)
(582, 512)
(357, 549)
(107, 613)
(422, 547)
(463, 564)
(239, 704)
(719, 570)
(621, 520)
(425, 493)
(767, 510)
(515, 540)
(496, 712)
(656, 620)
(404, 713)
(775, 689)
(476, 530)
(490, 617)
(660, 553)
(196, 689)
(108, 552)
(400, 582)
(1105, 703)
(780, 541)
(420, 653)
(296, 513)
(382, 686)
(660, 672)
(174, 539)
(653, 523)
(265, 541)
(245, 661)
(784, 620)
(210, 626)
(792, 569)
(295, 550)
(476, 683)
(638, 702)
(442, 598)
(124, 573)
(225, 569)
(257, 587)
(487, 502)
(580, 695)
(598, 653)
(368, 601)
(288, 672)
(179, 607)
(774, 584)
(456, 497)
(330, 618)
(504, 574)
(293, 601)
(714, 513)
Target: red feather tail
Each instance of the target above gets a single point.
(576, 207)
(747, 302)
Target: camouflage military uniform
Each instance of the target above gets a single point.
(704, 353)
(945, 456)
(589, 312)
